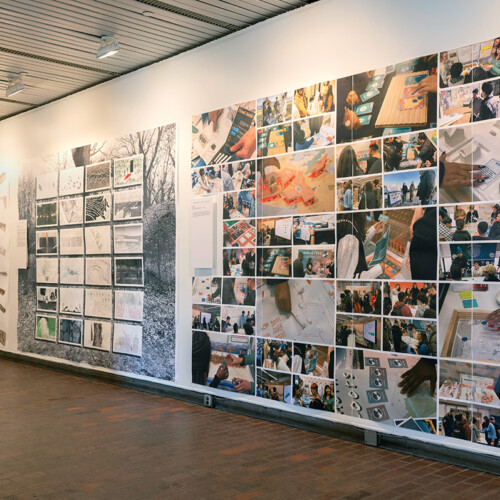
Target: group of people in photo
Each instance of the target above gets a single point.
(403, 336)
(364, 302)
(462, 425)
(485, 230)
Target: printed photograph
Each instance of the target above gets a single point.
(46, 328)
(238, 291)
(129, 305)
(98, 208)
(98, 240)
(275, 231)
(299, 183)
(47, 298)
(274, 140)
(314, 262)
(98, 176)
(238, 175)
(410, 299)
(359, 297)
(206, 180)
(47, 185)
(72, 241)
(240, 262)
(224, 361)
(71, 211)
(315, 132)
(313, 360)
(274, 109)
(46, 214)
(98, 271)
(206, 290)
(70, 331)
(360, 158)
(224, 135)
(358, 331)
(410, 336)
(97, 335)
(238, 320)
(47, 242)
(47, 270)
(314, 229)
(274, 262)
(206, 317)
(72, 271)
(129, 271)
(239, 233)
(128, 204)
(313, 100)
(275, 355)
(359, 193)
(410, 151)
(127, 238)
(71, 300)
(388, 101)
(71, 181)
(239, 205)
(409, 189)
(314, 393)
(128, 171)
(127, 339)
(274, 385)
(98, 303)
(297, 309)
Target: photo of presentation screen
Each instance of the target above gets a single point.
(224, 135)
(387, 244)
(388, 101)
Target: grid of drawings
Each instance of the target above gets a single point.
(358, 272)
(4, 255)
(89, 248)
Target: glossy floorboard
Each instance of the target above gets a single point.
(69, 437)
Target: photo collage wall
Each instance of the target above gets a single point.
(4, 255)
(359, 266)
(100, 214)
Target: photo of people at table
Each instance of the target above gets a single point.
(313, 100)
(275, 355)
(410, 336)
(274, 140)
(274, 385)
(238, 320)
(224, 361)
(238, 291)
(476, 222)
(387, 101)
(239, 233)
(398, 243)
(358, 331)
(314, 229)
(314, 132)
(469, 163)
(359, 297)
(274, 231)
(410, 299)
(409, 189)
(274, 262)
(206, 180)
(274, 109)
(238, 175)
(239, 205)
(314, 360)
(469, 261)
(475, 102)
(238, 262)
(314, 393)
(359, 158)
(359, 193)
(468, 321)
(471, 63)
(314, 262)
(206, 290)
(410, 151)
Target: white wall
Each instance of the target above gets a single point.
(326, 40)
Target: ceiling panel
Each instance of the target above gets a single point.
(55, 41)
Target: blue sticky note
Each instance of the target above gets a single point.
(469, 303)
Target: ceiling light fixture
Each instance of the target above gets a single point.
(15, 85)
(109, 47)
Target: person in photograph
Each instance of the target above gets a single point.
(400, 307)
(297, 395)
(414, 294)
(445, 232)
(423, 246)
(202, 183)
(449, 423)
(422, 305)
(201, 352)
(347, 197)
(454, 174)
(472, 215)
(396, 334)
(327, 104)
(477, 270)
(404, 192)
(298, 266)
(461, 234)
(459, 213)
(249, 299)
(426, 150)
(497, 429)
(489, 431)
(328, 399)
(455, 273)
(368, 199)
(494, 233)
(348, 165)
(482, 229)
(242, 386)
(445, 65)
(474, 430)
(300, 101)
(426, 186)
(493, 67)
(460, 260)
(489, 105)
(490, 273)
(316, 400)
(374, 161)
(299, 137)
(393, 153)
(476, 105)
(248, 264)
(352, 236)
(455, 78)
(227, 180)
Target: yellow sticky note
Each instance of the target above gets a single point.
(467, 294)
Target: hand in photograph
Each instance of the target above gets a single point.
(425, 369)
(245, 147)
(352, 99)
(493, 317)
(460, 174)
(222, 372)
(234, 360)
(428, 84)
(213, 116)
(351, 120)
(243, 386)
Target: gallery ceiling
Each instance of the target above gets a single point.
(53, 43)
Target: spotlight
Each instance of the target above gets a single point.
(109, 47)
(15, 85)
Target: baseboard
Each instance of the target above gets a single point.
(433, 451)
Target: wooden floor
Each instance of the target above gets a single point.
(68, 437)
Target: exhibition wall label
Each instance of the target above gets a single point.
(358, 261)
